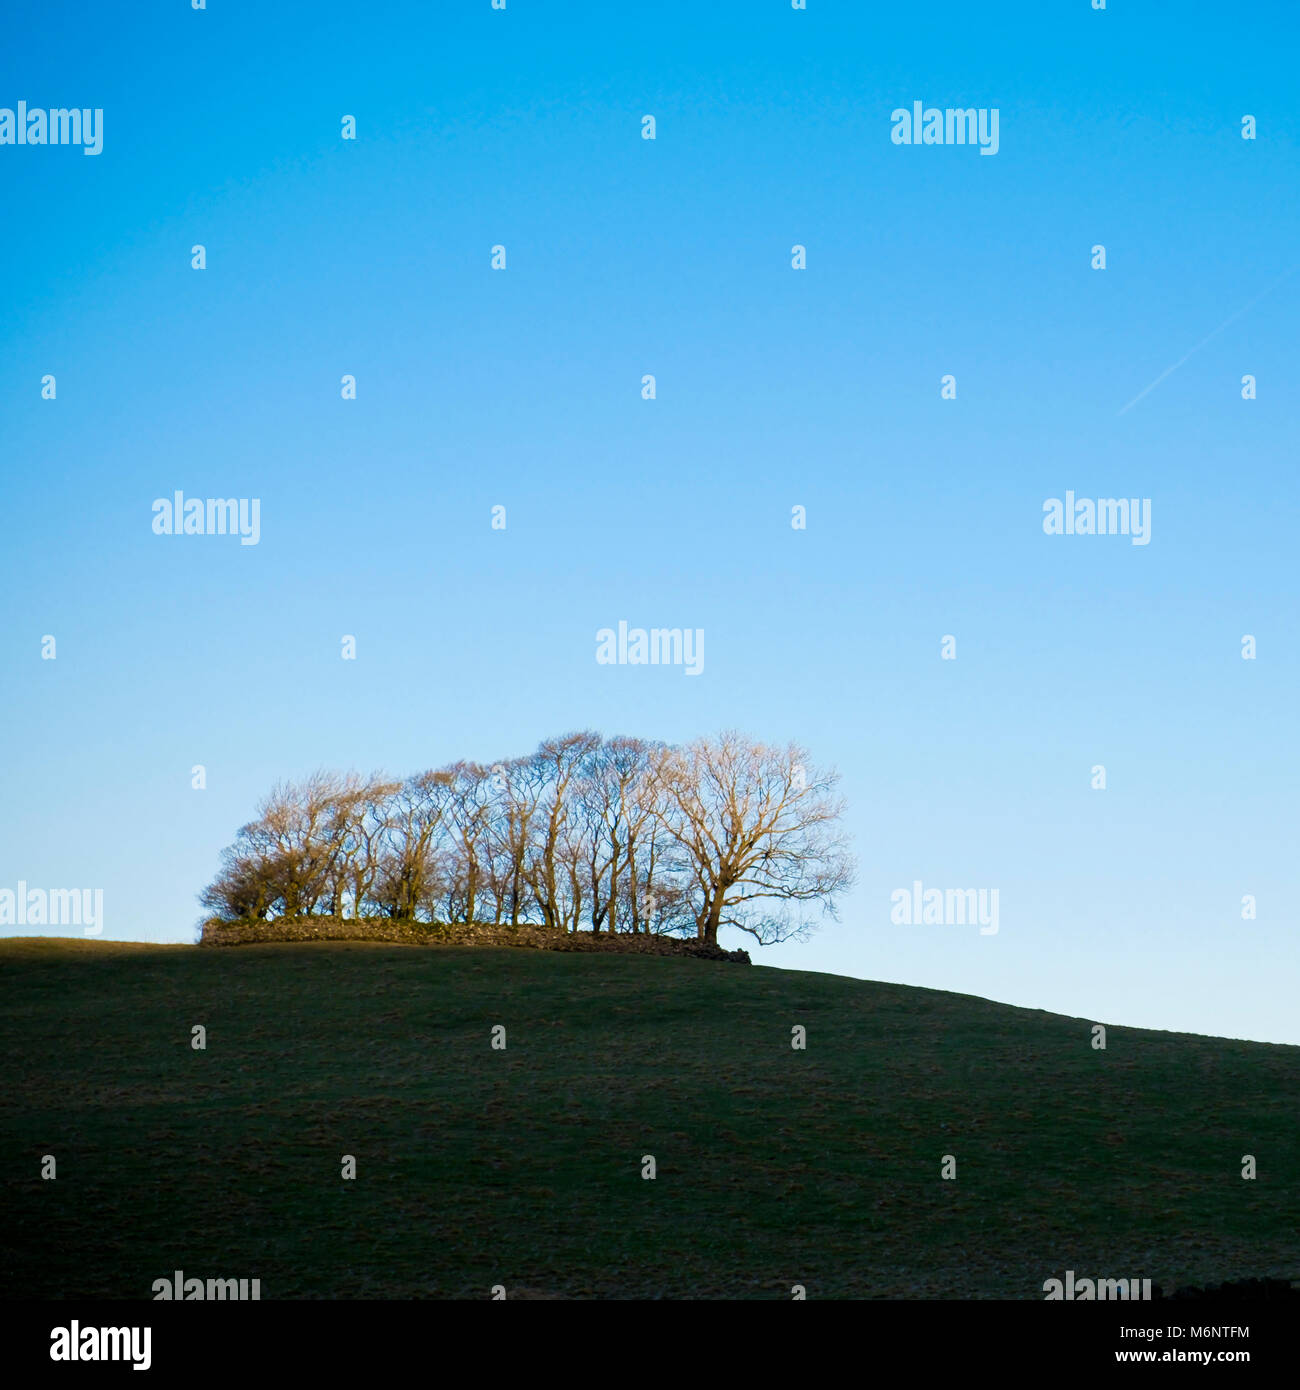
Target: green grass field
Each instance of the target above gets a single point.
(522, 1167)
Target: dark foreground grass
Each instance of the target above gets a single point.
(523, 1168)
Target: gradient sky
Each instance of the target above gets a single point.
(775, 388)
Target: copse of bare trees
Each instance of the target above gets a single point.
(586, 833)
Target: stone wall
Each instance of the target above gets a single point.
(531, 936)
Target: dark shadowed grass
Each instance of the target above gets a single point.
(478, 1167)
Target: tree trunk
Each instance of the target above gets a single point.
(708, 927)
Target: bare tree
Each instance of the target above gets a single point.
(463, 861)
(513, 800)
(602, 839)
(293, 839)
(243, 888)
(554, 872)
(362, 809)
(622, 810)
(757, 825)
(416, 819)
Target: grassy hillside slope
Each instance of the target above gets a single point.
(523, 1167)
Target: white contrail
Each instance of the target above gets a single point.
(1230, 319)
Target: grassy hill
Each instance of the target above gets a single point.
(523, 1167)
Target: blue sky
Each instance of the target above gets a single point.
(775, 387)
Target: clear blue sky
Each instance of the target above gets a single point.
(775, 388)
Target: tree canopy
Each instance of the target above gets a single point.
(603, 834)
